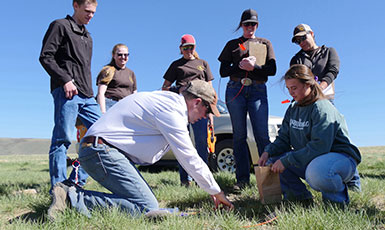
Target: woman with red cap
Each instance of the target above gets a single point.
(182, 71)
(248, 61)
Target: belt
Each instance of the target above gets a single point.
(90, 141)
(246, 82)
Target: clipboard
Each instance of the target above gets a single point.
(259, 51)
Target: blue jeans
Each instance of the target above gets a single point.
(66, 112)
(327, 174)
(200, 137)
(114, 171)
(355, 183)
(253, 100)
(110, 103)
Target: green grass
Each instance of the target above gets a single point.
(20, 210)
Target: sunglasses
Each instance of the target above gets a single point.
(187, 48)
(123, 54)
(300, 39)
(247, 24)
(208, 108)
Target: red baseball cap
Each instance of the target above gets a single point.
(187, 40)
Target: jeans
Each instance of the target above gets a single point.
(200, 137)
(355, 183)
(110, 103)
(114, 171)
(66, 112)
(253, 100)
(327, 174)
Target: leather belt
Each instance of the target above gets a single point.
(90, 140)
(246, 82)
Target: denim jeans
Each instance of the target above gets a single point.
(327, 174)
(66, 112)
(200, 137)
(110, 103)
(355, 183)
(253, 100)
(114, 171)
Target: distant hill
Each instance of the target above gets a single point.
(23, 146)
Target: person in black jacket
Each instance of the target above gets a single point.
(248, 61)
(66, 56)
(323, 61)
(324, 64)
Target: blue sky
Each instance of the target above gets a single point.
(152, 31)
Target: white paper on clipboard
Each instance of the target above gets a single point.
(259, 51)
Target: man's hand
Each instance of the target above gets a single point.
(262, 160)
(220, 198)
(70, 90)
(278, 167)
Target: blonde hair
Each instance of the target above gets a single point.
(303, 74)
(109, 70)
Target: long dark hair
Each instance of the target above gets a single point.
(305, 76)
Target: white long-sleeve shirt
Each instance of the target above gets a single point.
(145, 124)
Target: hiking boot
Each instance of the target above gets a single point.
(59, 200)
(240, 186)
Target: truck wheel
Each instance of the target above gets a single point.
(224, 156)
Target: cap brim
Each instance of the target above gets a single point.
(298, 34)
(214, 110)
(250, 20)
(188, 44)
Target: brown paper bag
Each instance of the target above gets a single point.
(269, 187)
(259, 51)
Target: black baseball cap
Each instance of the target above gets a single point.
(249, 15)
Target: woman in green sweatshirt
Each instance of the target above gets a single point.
(312, 144)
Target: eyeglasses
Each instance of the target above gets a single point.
(300, 39)
(208, 108)
(247, 24)
(123, 54)
(187, 48)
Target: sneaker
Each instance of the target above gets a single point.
(59, 200)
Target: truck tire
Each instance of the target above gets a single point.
(224, 158)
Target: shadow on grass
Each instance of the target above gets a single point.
(36, 215)
(374, 176)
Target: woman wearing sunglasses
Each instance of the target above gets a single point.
(324, 64)
(115, 81)
(181, 72)
(248, 61)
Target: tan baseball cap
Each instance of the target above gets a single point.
(301, 30)
(206, 92)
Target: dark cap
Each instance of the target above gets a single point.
(301, 30)
(206, 92)
(249, 15)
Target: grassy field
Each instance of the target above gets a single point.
(24, 201)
